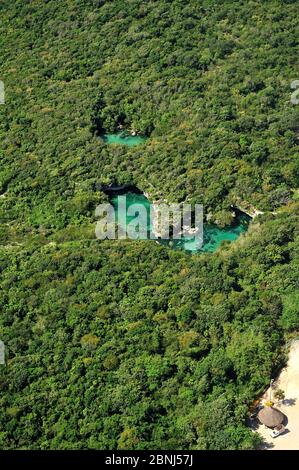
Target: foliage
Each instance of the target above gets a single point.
(131, 345)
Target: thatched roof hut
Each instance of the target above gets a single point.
(270, 417)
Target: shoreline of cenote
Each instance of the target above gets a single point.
(213, 235)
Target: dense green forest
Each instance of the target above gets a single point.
(128, 344)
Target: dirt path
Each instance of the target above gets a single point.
(288, 381)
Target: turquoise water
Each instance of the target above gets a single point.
(123, 138)
(213, 235)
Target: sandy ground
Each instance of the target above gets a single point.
(288, 381)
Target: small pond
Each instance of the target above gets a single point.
(124, 138)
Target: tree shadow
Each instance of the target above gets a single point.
(289, 401)
(253, 423)
(266, 445)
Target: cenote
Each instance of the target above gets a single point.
(123, 138)
(213, 235)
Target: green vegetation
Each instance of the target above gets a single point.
(131, 345)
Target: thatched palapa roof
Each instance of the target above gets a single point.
(270, 417)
